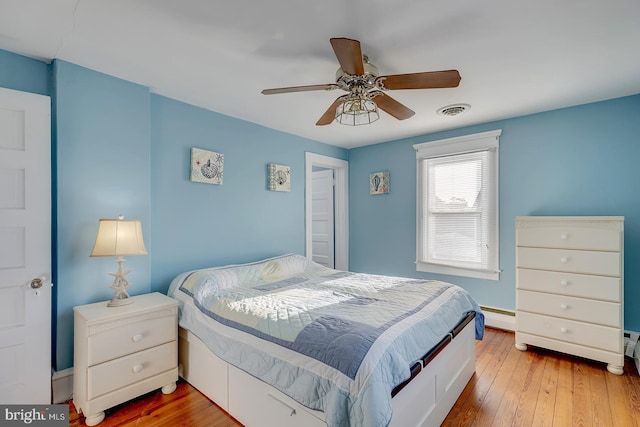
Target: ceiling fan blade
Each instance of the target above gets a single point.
(330, 115)
(427, 80)
(391, 106)
(349, 55)
(328, 86)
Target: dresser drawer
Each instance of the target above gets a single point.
(578, 285)
(574, 261)
(600, 312)
(570, 235)
(115, 374)
(597, 336)
(130, 338)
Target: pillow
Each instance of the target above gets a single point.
(248, 275)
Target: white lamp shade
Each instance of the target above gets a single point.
(118, 237)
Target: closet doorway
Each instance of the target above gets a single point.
(327, 171)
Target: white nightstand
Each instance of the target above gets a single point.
(123, 352)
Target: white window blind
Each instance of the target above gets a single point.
(457, 218)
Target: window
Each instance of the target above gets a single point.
(457, 203)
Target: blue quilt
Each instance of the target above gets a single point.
(335, 341)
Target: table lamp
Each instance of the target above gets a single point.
(118, 237)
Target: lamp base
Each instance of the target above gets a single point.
(120, 284)
(117, 302)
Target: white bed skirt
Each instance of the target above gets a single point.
(424, 402)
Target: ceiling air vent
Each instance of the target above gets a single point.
(454, 110)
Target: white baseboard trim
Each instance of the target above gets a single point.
(499, 318)
(62, 385)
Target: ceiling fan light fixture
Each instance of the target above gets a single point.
(357, 109)
(361, 80)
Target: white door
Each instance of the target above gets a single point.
(322, 217)
(25, 248)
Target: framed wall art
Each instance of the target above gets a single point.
(206, 166)
(379, 183)
(279, 177)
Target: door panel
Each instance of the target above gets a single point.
(323, 218)
(25, 248)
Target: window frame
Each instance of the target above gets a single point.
(479, 142)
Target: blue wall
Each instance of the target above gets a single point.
(574, 161)
(122, 150)
(119, 149)
(197, 225)
(21, 73)
(102, 144)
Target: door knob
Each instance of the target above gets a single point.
(36, 283)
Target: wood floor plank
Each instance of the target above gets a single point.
(531, 388)
(563, 408)
(546, 400)
(139, 408)
(507, 410)
(600, 409)
(173, 413)
(581, 404)
(631, 381)
(501, 383)
(509, 388)
(621, 411)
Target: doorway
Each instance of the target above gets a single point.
(340, 170)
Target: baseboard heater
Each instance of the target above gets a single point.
(497, 311)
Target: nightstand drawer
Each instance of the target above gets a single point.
(130, 338)
(592, 311)
(578, 285)
(121, 372)
(602, 337)
(573, 261)
(570, 235)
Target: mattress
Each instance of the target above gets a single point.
(335, 341)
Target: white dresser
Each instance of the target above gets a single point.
(123, 352)
(569, 286)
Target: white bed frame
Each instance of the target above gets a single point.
(424, 402)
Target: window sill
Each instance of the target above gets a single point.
(456, 271)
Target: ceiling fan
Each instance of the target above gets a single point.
(366, 89)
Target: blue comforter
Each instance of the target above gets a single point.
(335, 341)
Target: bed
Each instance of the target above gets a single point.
(288, 342)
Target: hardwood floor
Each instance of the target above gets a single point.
(543, 388)
(509, 388)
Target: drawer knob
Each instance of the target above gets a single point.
(564, 259)
(563, 330)
(137, 368)
(136, 338)
(563, 283)
(564, 236)
(563, 306)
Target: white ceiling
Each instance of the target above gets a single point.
(515, 57)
